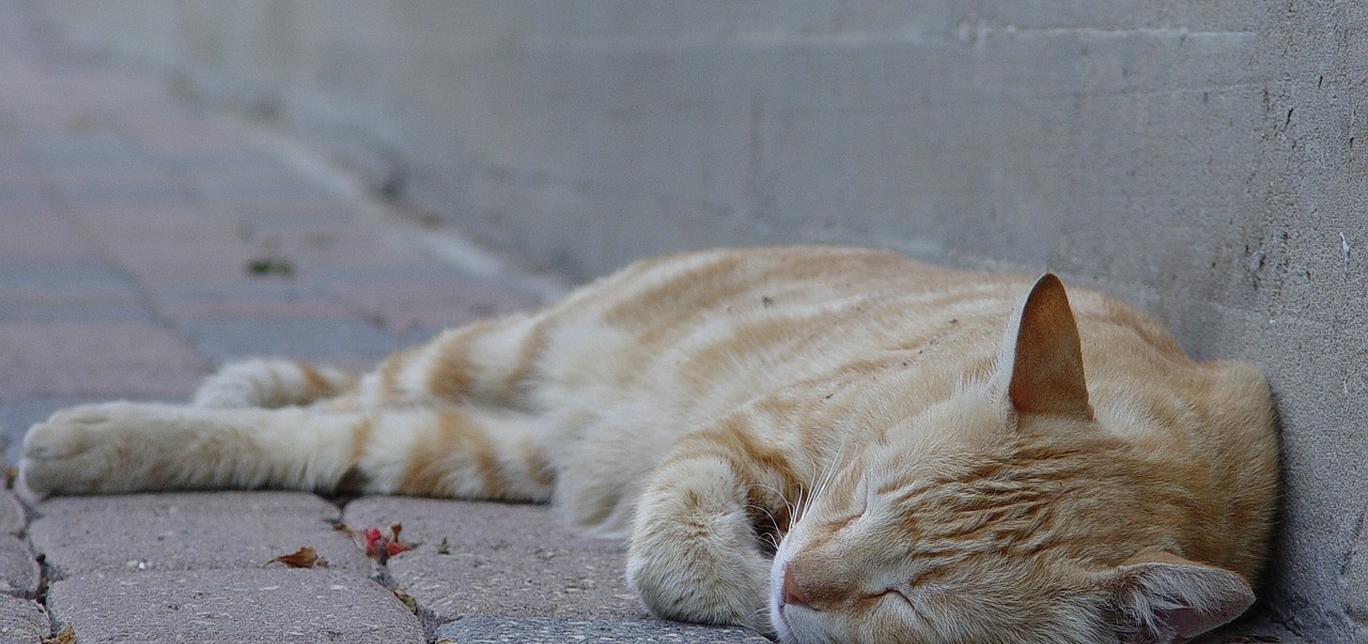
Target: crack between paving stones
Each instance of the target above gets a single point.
(427, 619)
(145, 298)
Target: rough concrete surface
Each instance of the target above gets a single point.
(272, 605)
(22, 621)
(499, 560)
(79, 535)
(501, 630)
(12, 514)
(1206, 160)
(19, 572)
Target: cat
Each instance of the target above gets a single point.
(824, 444)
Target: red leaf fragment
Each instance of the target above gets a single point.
(373, 539)
(381, 547)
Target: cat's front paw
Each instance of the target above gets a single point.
(717, 578)
(79, 449)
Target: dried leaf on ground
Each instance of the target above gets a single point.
(305, 557)
(407, 599)
(65, 636)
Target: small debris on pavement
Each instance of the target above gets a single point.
(381, 547)
(264, 266)
(305, 557)
(407, 599)
(65, 636)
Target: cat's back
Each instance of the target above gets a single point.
(752, 319)
(742, 321)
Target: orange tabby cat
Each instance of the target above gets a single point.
(828, 444)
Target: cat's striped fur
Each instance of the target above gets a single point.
(830, 444)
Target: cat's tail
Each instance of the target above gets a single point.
(270, 383)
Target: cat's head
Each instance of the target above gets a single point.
(1003, 514)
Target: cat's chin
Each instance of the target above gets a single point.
(797, 624)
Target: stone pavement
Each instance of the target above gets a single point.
(142, 240)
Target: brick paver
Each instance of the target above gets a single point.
(495, 559)
(263, 605)
(12, 514)
(22, 621)
(19, 573)
(80, 535)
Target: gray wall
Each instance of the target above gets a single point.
(1209, 159)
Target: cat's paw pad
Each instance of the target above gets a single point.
(717, 576)
(77, 448)
(55, 459)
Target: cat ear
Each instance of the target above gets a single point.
(1042, 354)
(1161, 598)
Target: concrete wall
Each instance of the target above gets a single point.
(1208, 159)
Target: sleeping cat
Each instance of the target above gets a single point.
(826, 444)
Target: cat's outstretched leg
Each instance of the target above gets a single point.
(438, 450)
(270, 383)
(488, 362)
(696, 554)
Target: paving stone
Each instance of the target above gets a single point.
(70, 310)
(38, 235)
(266, 289)
(210, 257)
(300, 338)
(259, 605)
(135, 194)
(430, 303)
(256, 308)
(22, 621)
(269, 183)
(95, 360)
(77, 290)
(87, 278)
(63, 150)
(505, 560)
(19, 572)
(187, 531)
(498, 630)
(13, 518)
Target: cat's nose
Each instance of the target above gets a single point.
(793, 593)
